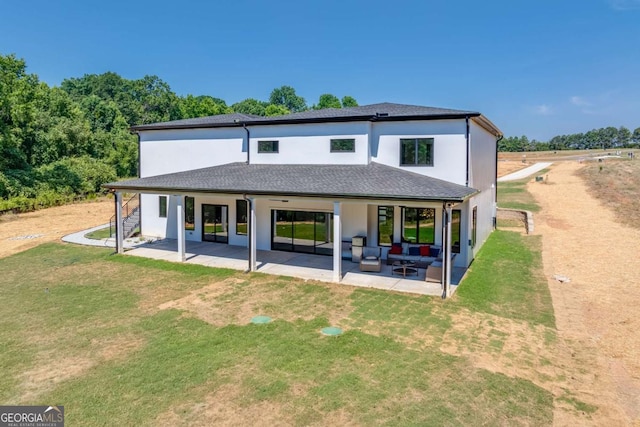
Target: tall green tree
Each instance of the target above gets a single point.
(286, 96)
(250, 106)
(327, 100)
(349, 101)
(635, 138)
(201, 106)
(275, 110)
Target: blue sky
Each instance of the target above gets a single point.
(538, 68)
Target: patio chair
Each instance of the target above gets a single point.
(371, 260)
(434, 272)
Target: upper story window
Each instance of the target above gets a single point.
(416, 152)
(345, 145)
(267, 146)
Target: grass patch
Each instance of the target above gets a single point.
(514, 195)
(506, 279)
(579, 405)
(110, 353)
(616, 183)
(103, 233)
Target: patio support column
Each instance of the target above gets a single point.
(252, 234)
(180, 225)
(446, 256)
(337, 242)
(119, 224)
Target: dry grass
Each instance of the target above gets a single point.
(616, 183)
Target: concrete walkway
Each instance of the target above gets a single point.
(80, 239)
(523, 173)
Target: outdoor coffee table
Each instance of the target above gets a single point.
(404, 267)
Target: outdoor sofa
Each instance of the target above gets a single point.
(421, 255)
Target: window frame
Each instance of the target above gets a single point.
(389, 209)
(417, 241)
(240, 202)
(342, 140)
(430, 143)
(162, 206)
(275, 147)
(456, 249)
(189, 201)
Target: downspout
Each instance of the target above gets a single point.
(115, 199)
(466, 119)
(250, 207)
(495, 187)
(246, 129)
(139, 156)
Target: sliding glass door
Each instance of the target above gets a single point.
(215, 223)
(300, 231)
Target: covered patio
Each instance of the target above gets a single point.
(346, 198)
(303, 266)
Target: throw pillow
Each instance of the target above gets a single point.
(434, 252)
(424, 250)
(396, 250)
(415, 251)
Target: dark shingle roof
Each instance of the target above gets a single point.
(379, 112)
(340, 181)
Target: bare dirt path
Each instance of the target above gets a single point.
(24, 231)
(597, 312)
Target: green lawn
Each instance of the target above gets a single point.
(514, 195)
(85, 329)
(103, 233)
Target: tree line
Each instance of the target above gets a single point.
(62, 143)
(603, 138)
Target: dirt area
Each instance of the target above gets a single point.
(596, 312)
(19, 232)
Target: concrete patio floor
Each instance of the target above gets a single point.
(304, 266)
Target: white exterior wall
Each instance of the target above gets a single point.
(449, 146)
(169, 151)
(482, 177)
(177, 150)
(310, 143)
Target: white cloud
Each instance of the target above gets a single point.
(624, 4)
(580, 101)
(543, 110)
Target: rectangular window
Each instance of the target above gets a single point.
(419, 225)
(343, 145)
(241, 217)
(189, 213)
(416, 152)
(385, 225)
(162, 203)
(267, 146)
(456, 216)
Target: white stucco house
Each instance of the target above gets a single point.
(310, 181)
